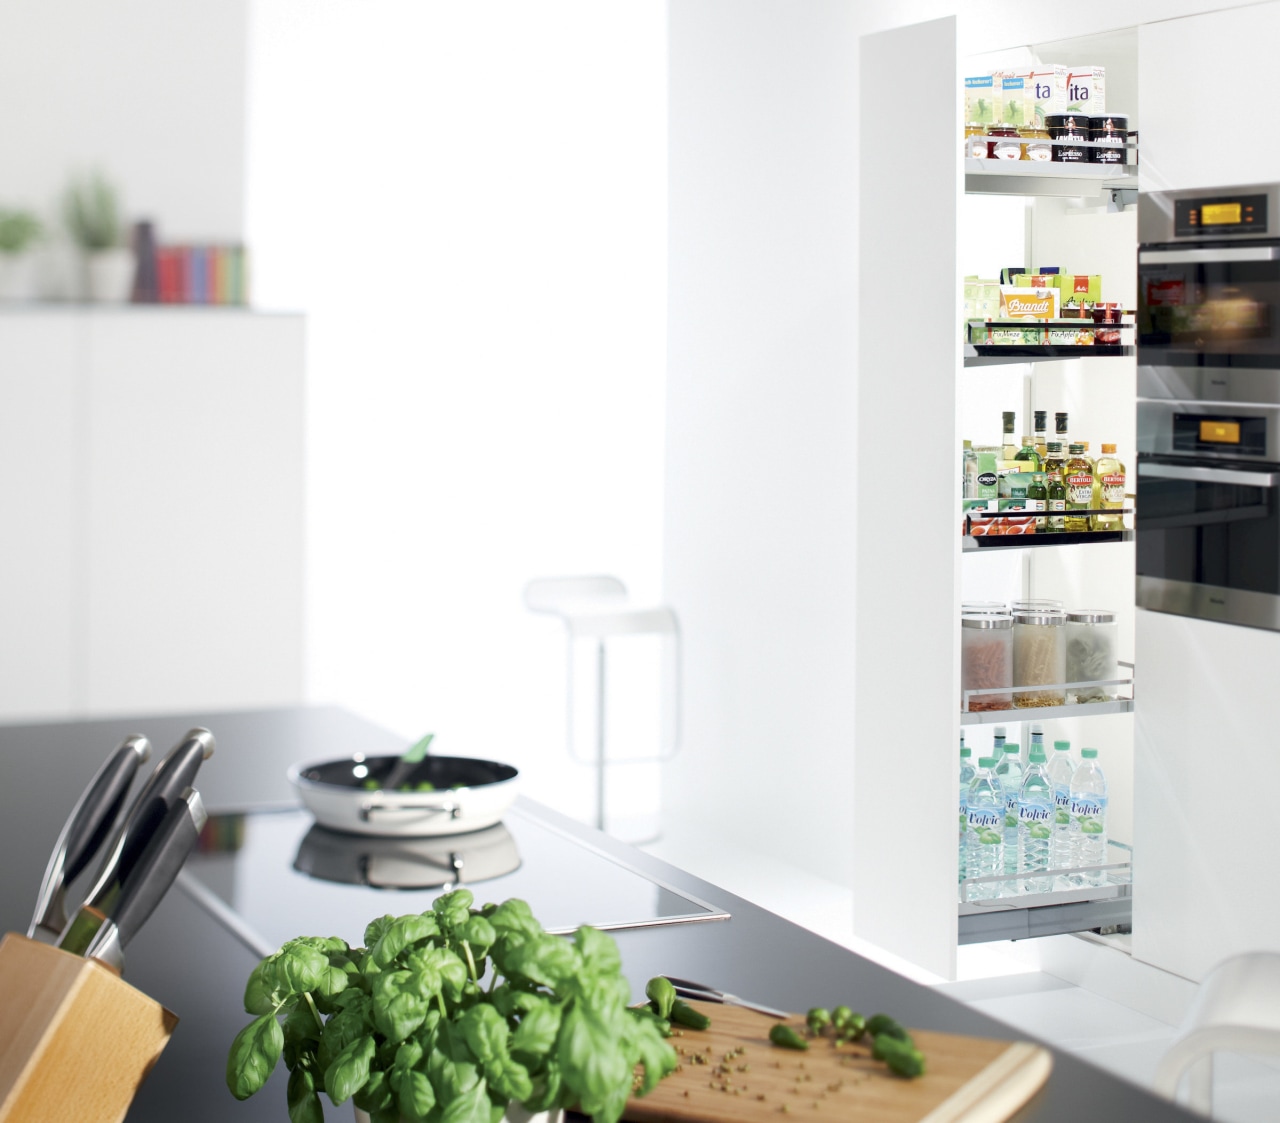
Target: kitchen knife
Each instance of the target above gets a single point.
(149, 880)
(83, 834)
(164, 788)
(702, 992)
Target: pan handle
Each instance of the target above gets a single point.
(380, 812)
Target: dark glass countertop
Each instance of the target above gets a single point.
(191, 957)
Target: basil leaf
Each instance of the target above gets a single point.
(349, 1071)
(650, 1048)
(547, 1086)
(471, 1106)
(397, 1011)
(300, 968)
(304, 1104)
(453, 908)
(548, 960)
(254, 1055)
(590, 1060)
(300, 1025)
(340, 1031)
(376, 1095)
(479, 933)
(374, 929)
(598, 950)
(536, 1033)
(417, 1097)
(400, 934)
(258, 998)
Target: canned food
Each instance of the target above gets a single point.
(1068, 127)
(1113, 132)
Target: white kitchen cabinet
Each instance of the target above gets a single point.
(916, 402)
(153, 508)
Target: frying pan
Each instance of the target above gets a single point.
(467, 794)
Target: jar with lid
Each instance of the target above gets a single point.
(1036, 144)
(1007, 145)
(1036, 604)
(1091, 652)
(1110, 135)
(986, 660)
(984, 608)
(1039, 656)
(975, 141)
(1071, 128)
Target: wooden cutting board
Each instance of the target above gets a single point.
(743, 1077)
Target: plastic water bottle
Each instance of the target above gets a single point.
(997, 743)
(967, 772)
(1089, 818)
(1009, 770)
(984, 844)
(1036, 809)
(1061, 768)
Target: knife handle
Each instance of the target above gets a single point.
(163, 789)
(86, 829)
(149, 880)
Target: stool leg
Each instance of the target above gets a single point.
(600, 734)
(1200, 1085)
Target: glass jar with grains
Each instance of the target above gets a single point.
(1039, 656)
(1091, 652)
(986, 660)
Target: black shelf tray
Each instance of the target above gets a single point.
(1032, 541)
(991, 354)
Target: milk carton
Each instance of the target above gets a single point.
(1086, 91)
(982, 99)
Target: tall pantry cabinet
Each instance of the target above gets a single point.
(924, 224)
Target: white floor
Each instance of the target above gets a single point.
(1001, 980)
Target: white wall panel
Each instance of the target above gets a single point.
(41, 450)
(1206, 867)
(195, 517)
(907, 680)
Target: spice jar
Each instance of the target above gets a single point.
(1068, 127)
(1091, 652)
(986, 660)
(1039, 656)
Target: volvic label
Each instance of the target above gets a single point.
(1033, 813)
(1088, 806)
(985, 817)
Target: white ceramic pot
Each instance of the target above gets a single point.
(17, 276)
(514, 1114)
(109, 275)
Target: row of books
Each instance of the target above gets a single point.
(192, 274)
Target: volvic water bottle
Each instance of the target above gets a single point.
(1061, 769)
(1009, 771)
(1035, 823)
(984, 844)
(997, 742)
(1089, 817)
(966, 778)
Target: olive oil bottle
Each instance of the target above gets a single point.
(1109, 473)
(1056, 490)
(1027, 455)
(1078, 477)
(1009, 450)
(1037, 499)
(1041, 447)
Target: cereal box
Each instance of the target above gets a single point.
(1086, 90)
(982, 99)
(1043, 91)
(1014, 109)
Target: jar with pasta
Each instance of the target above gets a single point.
(986, 661)
(1091, 653)
(1039, 657)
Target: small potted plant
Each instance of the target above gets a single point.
(19, 231)
(91, 209)
(459, 1014)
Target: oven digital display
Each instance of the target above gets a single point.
(1220, 432)
(1211, 215)
(1221, 214)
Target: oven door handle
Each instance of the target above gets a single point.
(1225, 254)
(1197, 474)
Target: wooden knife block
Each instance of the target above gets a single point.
(76, 1040)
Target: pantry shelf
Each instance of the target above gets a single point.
(1042, 541)
(990, 354)
(1048, 713)
(1029, 177)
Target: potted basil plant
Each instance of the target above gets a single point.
(92, 212)
(19, 231)
(455, 1015)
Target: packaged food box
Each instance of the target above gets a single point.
(1009, 272)
(1069, 335)
(1086, 90)
(1014, 108)
(988, 482)
(1010, 335)
(1001, 524)
(1029, 303)
(982, 99)
(1043, 91)
(1035, 280)
(1082, 288)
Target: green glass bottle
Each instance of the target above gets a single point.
(1027, 454)
(1037, 499)
(1056, 500)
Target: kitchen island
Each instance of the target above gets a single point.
(198, 949)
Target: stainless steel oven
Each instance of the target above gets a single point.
(1208, 467)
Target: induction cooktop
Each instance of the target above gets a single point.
(272, 875)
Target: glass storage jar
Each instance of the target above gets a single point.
(986, 660)
(1043, 604)
(1039, 656)
(1091, 652)
(984, 608)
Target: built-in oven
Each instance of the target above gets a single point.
(1208, 466)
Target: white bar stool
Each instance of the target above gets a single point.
(597, 608)
(1236, 1010)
